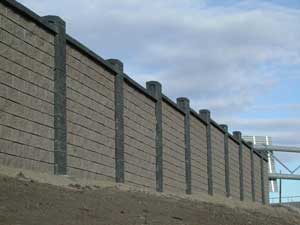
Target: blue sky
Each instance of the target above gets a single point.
(240, 59)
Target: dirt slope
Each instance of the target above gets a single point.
(26, 202)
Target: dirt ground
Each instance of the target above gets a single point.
(27, 202)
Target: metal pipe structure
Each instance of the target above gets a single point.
(277, 148)
(272, 148)
(274, 176)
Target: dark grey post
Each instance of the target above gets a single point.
(119, 120)
(205, 114)
(60, 124)
(280, 190)
(184, 104)
(262, 178)
(252, 172)
(238, 136)
(226, 158)
(154, 88)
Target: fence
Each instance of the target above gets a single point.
(65, 110)
(285, 200)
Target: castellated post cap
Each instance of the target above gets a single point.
(250, 143)
(152, 83)
(54, 19)
(205, 114)
(225, 127)
(117, 64)
(183, 103)
(154, 89)
(182, 99)
(237, 134)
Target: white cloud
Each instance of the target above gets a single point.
(293, 107)
(267, 123)
(283, 131)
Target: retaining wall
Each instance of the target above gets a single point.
(139, 143)
(26, 92)
(198, 155)
(218, 161)
(234, 176)
(65, 110)
(257, 178)
(90, 117)
(173, 149)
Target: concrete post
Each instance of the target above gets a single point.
(238, 136)
(154, 88)
(184, 104)
(205, 114)
(60, 120)
(226, 158)
(252, 172)
(262, 171)
(119, 120)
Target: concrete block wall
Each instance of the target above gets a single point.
(257, 177)
(26, 92)
(173, 149)
(139, 133)
(90, 117)
(198, 155)
(218, 161)
(234, 178)
(247, 173)
(60, 113)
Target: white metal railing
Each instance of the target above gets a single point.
(285, 199)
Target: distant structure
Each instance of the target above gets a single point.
(265, 140)
(259, 140)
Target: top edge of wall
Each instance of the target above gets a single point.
(172, 103)
(261, 155)
(90, 53)
(139, 87)
(30, 14)
(216, 125)
(194, 113)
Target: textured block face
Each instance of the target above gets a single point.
(266, 179)
(234, 176)
(139, 138)
(173, 149)
(90, 118)
(257, 178)
(26, 93)
(247, 173)
(198, 155)
(218, 161)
